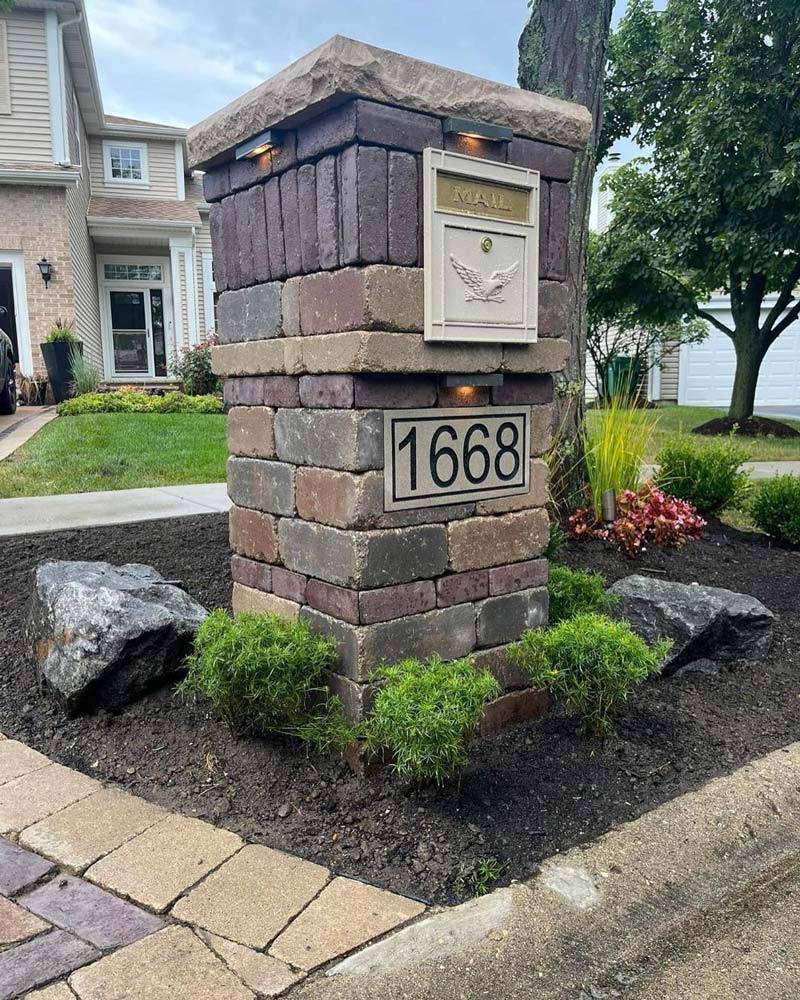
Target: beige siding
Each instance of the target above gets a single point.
(25, 135)
(74, 148)
(161, 167)
(670, 366)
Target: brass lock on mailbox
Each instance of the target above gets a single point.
(486, 244)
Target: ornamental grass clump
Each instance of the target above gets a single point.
(708, 477)
(590, 663)
(574, 592)
(256, 671)
(426, 714)
(775, 508)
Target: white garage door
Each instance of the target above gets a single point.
(706, 370)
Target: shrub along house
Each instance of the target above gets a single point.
(101, 224)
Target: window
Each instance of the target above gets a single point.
(132, 272)
(125, 163)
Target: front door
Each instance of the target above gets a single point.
(137, 332)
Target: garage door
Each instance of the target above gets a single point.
(707, 369)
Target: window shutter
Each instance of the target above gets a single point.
(5, 85)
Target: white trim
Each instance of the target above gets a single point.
(180, 179)
(183, 247)
(654, 377)
(683, 370)
(40, 178)
(16, 259)
(174, 262)
(55, 79)
(108, 145)
(209, 321)
(143, 131)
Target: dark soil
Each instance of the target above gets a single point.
(751, 427)
(535, 790)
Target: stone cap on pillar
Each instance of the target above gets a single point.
(342, 68)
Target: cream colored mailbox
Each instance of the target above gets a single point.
(481, 249)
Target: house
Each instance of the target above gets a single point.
(702, 374)
(102, 207)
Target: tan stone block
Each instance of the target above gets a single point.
(536, 497)
(512, 708)
(249, 599)
(548, 355)
(542, 429)
(346, 915)
(158, 865)
(340, 499)
(58, 992)
(28, 799)
(250, 432)
(82, 833)
(506, 671)
(252, 897)
(171, 965)
(253, 534)
(378, 351)
(17, 924)
(380, 297)
(478, 542)
(16, 759)
(269, 977)
(259, 357)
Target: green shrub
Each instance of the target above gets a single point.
(591, 663)
(477, 878)
(707, 476)
(326, 727)
(134, 401)
(61, 333)
(575, 592)
(85, 373)
(256, 671)
(193, 367)
(425, 715)
(775, 507)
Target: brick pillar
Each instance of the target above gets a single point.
(317, 254)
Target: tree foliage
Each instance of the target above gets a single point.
(712, 88)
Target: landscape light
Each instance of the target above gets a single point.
(258, 144)
(478, 130)
(464, 381)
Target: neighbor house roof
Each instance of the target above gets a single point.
(138, 210)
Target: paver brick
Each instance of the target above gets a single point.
(327, 391)
(395, 391)
(543, 356)
(250, 432)
(338, 602)
(307, 205)
(268, 976)
(339, 439)
(260, 484)
(387, 603)
(373, 199)
(28, 799)
(346, 915)
(290, 218)
(458, 588)
(275, 245)
(16, 759)
(251, 573)
(60, 991)
(164, 861)
(90, 913)
(535, 497)
(377, 297)
(554, 309)
(506, 671)
(82, 833)
(520, 390)
(248, 599)
(403, 218)
(511, 708)
(170, 965)
(504, 619)
(553, 162)
(518, 576)
(19, 868)
(46, 957)
(253, 534)
(481, 542)
(281, 390)
(247, 391)
(252, 897)
(17, 924)
(289, 585)
(327, 213)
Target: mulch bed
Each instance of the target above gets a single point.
(528, 793)
(750, 427)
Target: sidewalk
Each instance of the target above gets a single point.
(29, 515)
(757, 470)
(20, 427)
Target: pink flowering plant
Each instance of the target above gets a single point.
(646, 515)
(192, 365)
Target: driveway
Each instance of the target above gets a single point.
(18, 428)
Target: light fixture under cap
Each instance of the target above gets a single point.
(478, 130)
(258, 144)
(461, 381)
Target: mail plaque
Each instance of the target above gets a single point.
(481, 249)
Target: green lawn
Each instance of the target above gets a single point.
(117, 451)
(674, 419)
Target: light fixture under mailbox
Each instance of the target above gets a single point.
(258, 144)
(464, 381)
(478, 130)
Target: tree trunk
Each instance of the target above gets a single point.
(562, 52)
(749, 355)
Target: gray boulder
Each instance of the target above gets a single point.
(704, 623)
(101, 635)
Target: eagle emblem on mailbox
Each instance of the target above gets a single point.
(480, 288)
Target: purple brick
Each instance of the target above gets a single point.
(459, 588)
(373, 204)
(559, 231)
(420, 214)
(483, 149)
(307, 207)
(399, 601)
(258, 234)
(544, 226)
(247, 391)
(284, 156)
(338, 602)
(553, 162)
(281, 390)
(327, 391)
(290, 585)
(328, 131)
(251, 573)
(91, 913)
(348, 206)
(216, 183)
(47, 957)
(230, 242)
(390, 391)
(246, 268)
(397, 127)
(520, 390)
(244, 173)
(290, 216)
(277, 252)
(327, 213)
(19, 869)
(217, 242)
(554, 308)
(517, 576)
(403, 218)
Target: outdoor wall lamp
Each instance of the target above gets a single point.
(470, 381)
(46, 270)
(478, 130)
(258, 144)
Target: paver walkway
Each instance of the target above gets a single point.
(20, 427)
(26, 515)
(105, 895)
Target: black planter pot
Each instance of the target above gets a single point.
(59, 369)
